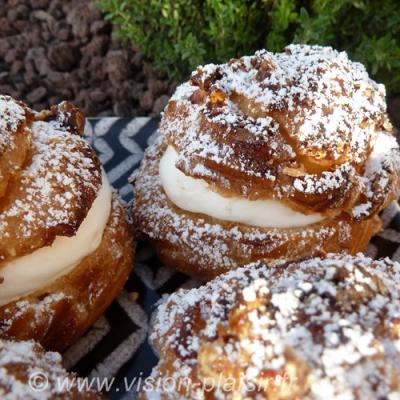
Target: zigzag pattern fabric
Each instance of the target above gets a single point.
(116, 346)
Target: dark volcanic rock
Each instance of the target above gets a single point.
(64, 56)
(39, 3)
(122, 109)
(4, 47)
(117, 66)
(54, 50)
(146, 101)
(98, 46)
(61, 30)
(160, 104)
(36, 95)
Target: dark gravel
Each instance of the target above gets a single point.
(64, 50)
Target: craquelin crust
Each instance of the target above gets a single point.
(22, 362)
(58, 314)
(15, 139)
(306, 127)
(49, 179)
(320, 328)
(298, 126)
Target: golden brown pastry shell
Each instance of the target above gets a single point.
(184, 259)
(47, 159)
(59, 313)
(205, 247)
(17, 374)
(192, 327)
(300, 126)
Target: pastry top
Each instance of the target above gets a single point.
(49, 176)
(14, 138)
(28, 372)
(13, 117)
(298, 126)
(329, 327)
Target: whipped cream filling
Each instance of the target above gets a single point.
(26, 274)
(196, 195)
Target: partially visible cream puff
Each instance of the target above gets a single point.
(316, 329)
(269, 157)
(66, 246)
(27, 372)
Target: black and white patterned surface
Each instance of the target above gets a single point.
(116, 346)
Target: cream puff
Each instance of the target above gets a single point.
(66, 246)
(27, 372)
(316, 329)
(276, 156)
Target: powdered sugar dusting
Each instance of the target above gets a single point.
(12, 115)
(330, 325)
(380, 175)
(303, 122)
(54, 191)
(21, 360)
(212, 243)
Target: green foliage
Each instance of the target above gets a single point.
(178, 35)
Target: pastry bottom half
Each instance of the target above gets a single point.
(328, 238)
(59, 313)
